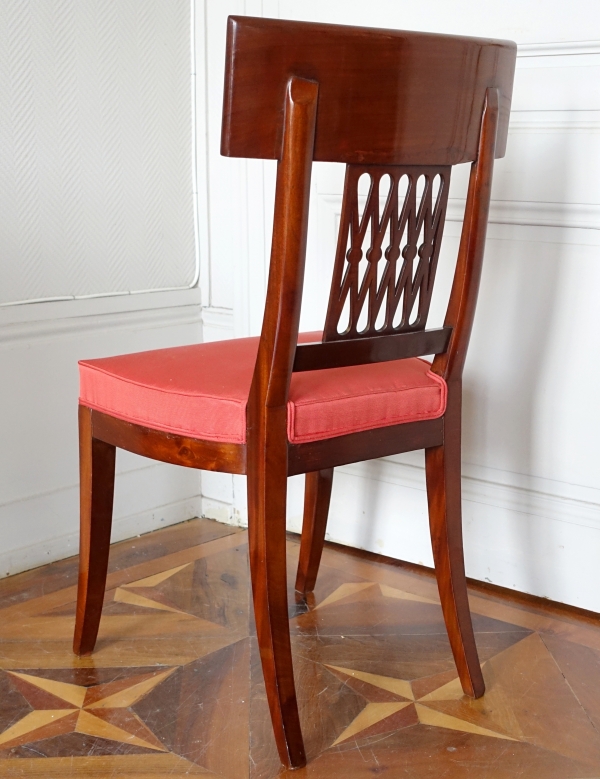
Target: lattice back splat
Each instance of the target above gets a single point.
(367, 300)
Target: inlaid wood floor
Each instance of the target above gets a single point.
(174, 688)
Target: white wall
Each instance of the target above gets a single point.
(98, 197)
(530, 461)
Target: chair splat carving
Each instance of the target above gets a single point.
(405, 234)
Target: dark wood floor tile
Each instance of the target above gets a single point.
(78, 745)
(580, 666)
(582, 634)
(376, 721)
(421, 752)
(167, 541)
(13, 705)
(427, 684)
(138, 766)
(327, 705)
(410, 657)
(128, 722)
(36, 698)
(202, 710)
(421, 584)
(214, 588)
(368, 612)
(368, 691)
(402, 657)
(548, 712)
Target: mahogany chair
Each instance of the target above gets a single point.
(390, 103)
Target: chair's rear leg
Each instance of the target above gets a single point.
(97, 480)
(267, 485)
(443, 466)
(317, 495)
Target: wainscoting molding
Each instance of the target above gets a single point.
(554, 121)
(217, 324)
(503, 490)
(75, 326)
(584, 216)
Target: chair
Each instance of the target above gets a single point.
(402, 108)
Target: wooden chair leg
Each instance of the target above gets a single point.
(97, 479)
(267, 540)
(443, 469)
(317, 495)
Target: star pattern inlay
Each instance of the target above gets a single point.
(354, 590)
(127, 593)
(101, 710)
(392, 704)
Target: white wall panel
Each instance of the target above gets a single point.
(39, 348)
(97, 196)
(96, 189)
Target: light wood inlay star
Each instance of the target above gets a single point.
(350, 591)
(102, 710)
(125, 595)
(376, 713)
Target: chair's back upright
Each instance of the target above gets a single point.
(402, 108)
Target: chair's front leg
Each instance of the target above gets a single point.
(317, 496)
(443, 467)
(97, 479)
(267, 484)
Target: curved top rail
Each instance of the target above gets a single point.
(385, 96)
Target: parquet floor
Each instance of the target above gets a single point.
(175, 688)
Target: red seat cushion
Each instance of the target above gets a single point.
(201, 391)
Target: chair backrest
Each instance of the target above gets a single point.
(386, 97)
(401, 108)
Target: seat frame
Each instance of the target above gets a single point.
(268, 458)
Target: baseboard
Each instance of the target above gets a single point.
(61, 547)
(155, 490)
(219, 511)
(25, 333)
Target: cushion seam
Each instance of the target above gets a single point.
(362, 395)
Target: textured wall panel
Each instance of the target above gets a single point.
(95, 147)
